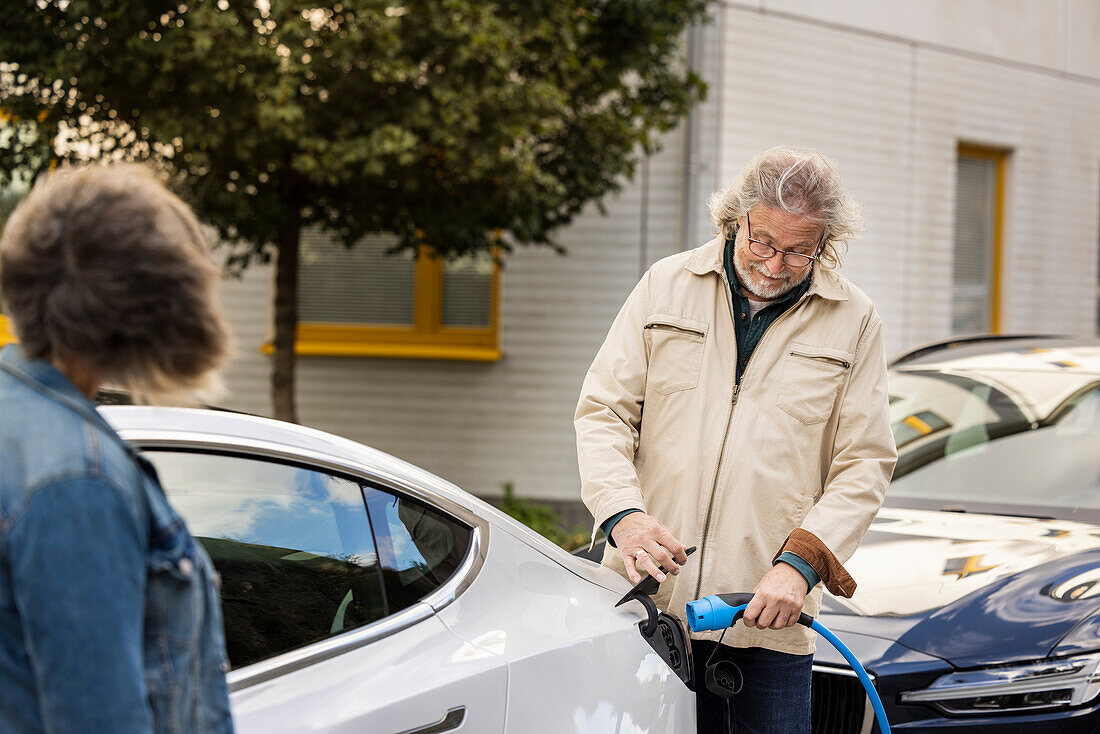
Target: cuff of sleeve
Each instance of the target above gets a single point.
(809, 547)
(612, 521)
(799, 564)
(609, 508)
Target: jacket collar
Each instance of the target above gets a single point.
(43, 377)
(708, 259)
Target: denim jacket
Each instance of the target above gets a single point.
(109, 613)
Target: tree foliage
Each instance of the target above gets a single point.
(455, 124)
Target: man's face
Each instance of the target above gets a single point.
(768, 278)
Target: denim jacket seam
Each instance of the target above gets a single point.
(43, 710)
(94, 466)
(50, 480)
(165, 661)
(48, 392)
(92, 441)
(90, 418)
(58, 480)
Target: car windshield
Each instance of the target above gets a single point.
(984, 444)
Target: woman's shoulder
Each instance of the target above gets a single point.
(46, 443)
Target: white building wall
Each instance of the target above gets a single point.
(888, 89)
(892, 110)
(1051, 34)
(1050, 125)
(247, 304)
(794, 82)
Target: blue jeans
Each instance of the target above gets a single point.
(775, 698)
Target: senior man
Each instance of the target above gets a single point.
(739, 404)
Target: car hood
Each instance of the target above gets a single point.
(971, 589)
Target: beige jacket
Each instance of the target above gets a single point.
(798, 458)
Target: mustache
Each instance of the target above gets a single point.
(781, 275)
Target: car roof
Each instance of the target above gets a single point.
(988, 344)
(153, 425)
(1040, 374)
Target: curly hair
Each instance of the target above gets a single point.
(796, 181)
(104, 266)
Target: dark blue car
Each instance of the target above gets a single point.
(978, 605)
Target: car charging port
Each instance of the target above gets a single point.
(664, 632)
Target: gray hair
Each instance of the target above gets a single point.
(104, 266)
(796, 181)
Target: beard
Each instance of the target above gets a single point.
(755, 278)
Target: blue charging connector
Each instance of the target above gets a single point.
(719, 611)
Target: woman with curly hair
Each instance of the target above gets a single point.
(109, 614)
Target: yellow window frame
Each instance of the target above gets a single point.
(426, 338)
(999, 156)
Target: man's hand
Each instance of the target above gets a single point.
(638, 532)
(777, 600)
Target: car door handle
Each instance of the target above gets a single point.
(450, 722)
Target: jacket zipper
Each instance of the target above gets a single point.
(722, 446)
(729, 422)
(822, 358)
(673, 327)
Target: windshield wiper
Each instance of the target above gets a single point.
(963, 511)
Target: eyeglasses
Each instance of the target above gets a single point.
(766, 251)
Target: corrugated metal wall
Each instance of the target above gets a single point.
(889, 98)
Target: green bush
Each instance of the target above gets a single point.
(543, 519)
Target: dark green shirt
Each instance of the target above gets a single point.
(750, 328)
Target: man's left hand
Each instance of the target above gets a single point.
(777, 600)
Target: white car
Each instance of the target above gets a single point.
(363, 594)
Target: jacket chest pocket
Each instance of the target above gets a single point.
(811, 379)
(176, 578)
(675, 353)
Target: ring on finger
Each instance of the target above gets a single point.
(639, 553)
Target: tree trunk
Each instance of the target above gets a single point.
(286, 324)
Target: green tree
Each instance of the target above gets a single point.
(454, 124)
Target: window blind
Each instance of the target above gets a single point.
(360, 285)
(972, 275)
(468, 291)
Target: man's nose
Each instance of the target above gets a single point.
(775, 263)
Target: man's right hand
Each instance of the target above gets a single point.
(639, 532)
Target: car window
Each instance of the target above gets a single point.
(300, 557)
(1052, 467)
(419, 548)
(293, 547)
(933, 415)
